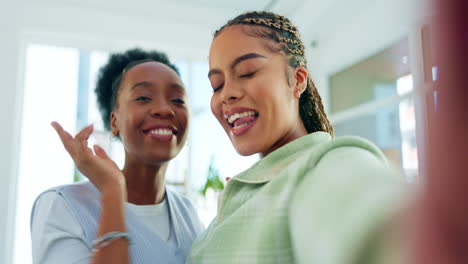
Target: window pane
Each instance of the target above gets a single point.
(50, 92)
(392, 129)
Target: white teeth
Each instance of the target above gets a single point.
(236, 116)
(161, 131)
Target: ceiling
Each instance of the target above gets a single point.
(343, 31)
(211, 13)
(175, 22)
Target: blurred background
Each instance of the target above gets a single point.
(365, 56)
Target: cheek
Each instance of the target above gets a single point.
(271, 96)
(130, 117)
(262, 91)
(184, 117)
(216, 108)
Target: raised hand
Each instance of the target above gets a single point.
(97, 166)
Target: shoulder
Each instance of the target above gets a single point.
(339, 157)
(185, 208)
(84, 187)
(345, 147)
(56, 234)
(46, 202)
(51, 209)
(350, 161)
(58, 200)
(348, 193)
(181, 200)
(80, 187)
(58, 194)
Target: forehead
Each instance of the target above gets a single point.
(151, 72)
(233, 42)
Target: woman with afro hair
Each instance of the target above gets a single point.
(128, 214)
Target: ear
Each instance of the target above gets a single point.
(300, 77)
(114, 124)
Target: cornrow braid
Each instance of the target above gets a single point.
(282, 31)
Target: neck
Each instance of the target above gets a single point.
(292, 135)
(145, 183)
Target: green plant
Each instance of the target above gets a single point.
(213, 180)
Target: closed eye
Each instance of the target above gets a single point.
(142, 98)
(218, 88)
(247, 75)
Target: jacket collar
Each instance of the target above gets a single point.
(263, 170)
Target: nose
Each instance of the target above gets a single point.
(162, 108)
(230, 93)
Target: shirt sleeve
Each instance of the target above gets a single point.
(342, 208)
(56, 235)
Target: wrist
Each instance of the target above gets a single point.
(115, 191)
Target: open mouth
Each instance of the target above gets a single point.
(161, 133)
(242, 119)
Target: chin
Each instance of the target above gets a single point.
(245, 150)
(158, 158)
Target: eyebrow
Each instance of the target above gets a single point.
(237, 61)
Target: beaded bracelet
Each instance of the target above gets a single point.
(108, 238)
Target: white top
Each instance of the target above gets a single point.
(57, 237)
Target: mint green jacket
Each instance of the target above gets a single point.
(315, 200)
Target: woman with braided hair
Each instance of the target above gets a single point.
(311, 198)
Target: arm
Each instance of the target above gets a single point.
(343, 208)
(112, 220)
(108, 178)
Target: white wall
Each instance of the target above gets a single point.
(9, 52)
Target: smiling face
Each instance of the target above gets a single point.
(151, 116)
(255, 92)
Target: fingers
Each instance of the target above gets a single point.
(81, 139)
(85, 133)
(65, 137)
(81, 144)
(76, 146)
(100, 152)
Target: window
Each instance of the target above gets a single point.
(50, 93)
(374, 99)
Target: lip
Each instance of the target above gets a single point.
(160, 137)
(243, 130)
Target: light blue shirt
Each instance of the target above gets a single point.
(81, 204)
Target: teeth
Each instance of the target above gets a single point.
(236, 116)
(161, 131)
